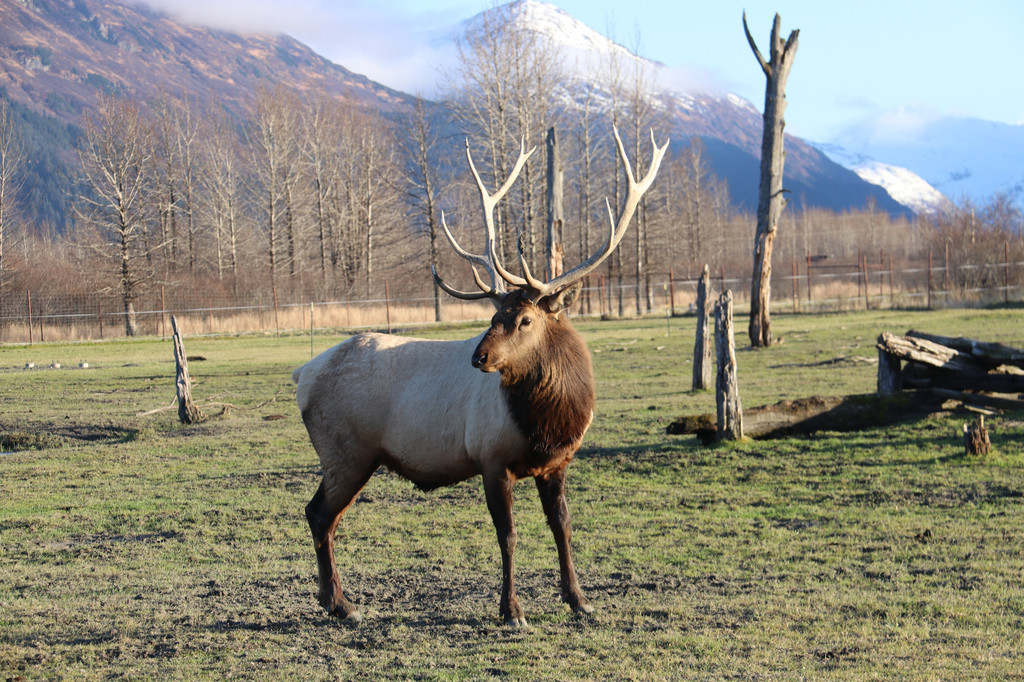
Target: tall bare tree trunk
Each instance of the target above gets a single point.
(554, 249)
(770, 200)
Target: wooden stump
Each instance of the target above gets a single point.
(890, 376)
(188, 412)
(976, 439)
(702, 345)
(730, 412)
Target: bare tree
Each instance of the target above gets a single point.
(220, 181)
(270, 142)
(641, 111)
(12, 156)
(422, 187)
(770, 200)
(367, 191)
(589, 154)
(117, 155)
(321, 146)
(165, 181)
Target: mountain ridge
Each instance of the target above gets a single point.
(58, 56)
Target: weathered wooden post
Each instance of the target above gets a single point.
(890, 375)
(702, 345)
(188, 412)
(730, 412)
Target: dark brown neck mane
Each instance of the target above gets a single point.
(551, 394)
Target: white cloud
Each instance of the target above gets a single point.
(390, 46)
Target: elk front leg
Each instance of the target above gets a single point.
(323, 513)
(498, 491)
(552, 497)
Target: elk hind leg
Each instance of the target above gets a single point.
(323, 513)
(552, 497)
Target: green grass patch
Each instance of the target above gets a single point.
(145, 549)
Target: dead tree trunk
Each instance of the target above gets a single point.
(770, 199)
(730, 413)
(188, 412)
(702, 345)
(555, 251)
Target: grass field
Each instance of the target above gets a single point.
(143, 549)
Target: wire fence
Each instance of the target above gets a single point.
(815, 285)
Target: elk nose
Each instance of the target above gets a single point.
(479, 359)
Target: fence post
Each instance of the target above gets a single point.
(163, 314)
(945, 272)
(30, 339)
(1006, 271)
(277, 318)
(808, 279)
(702, 344)
(671, 294)
(796, 288)
(387, 304)
(864, 267)
(101, 320)
(930, 279)
(727, 398)
(892, 298)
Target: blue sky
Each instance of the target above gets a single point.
(855, 60)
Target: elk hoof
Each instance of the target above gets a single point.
(517, 623)
(347, 617)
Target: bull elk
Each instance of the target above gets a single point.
(511, 403)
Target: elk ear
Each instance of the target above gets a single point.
(564, 299)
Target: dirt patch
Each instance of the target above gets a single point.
(58, 436)
(13, 441)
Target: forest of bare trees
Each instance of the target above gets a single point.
(309, 198)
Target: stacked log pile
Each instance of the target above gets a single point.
(974, 372)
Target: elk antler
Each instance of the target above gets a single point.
(536, 289)
(489, 259)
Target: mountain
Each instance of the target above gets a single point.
(56, 56)
(961, 157)
(729, 125)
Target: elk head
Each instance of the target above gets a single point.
(529, 321)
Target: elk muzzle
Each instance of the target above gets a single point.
(482, 359)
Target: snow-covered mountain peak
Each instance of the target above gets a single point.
(902, 184)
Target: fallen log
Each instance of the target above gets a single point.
(990, 354)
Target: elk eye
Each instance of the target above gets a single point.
(525, 322)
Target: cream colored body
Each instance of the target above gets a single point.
(416, 405)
